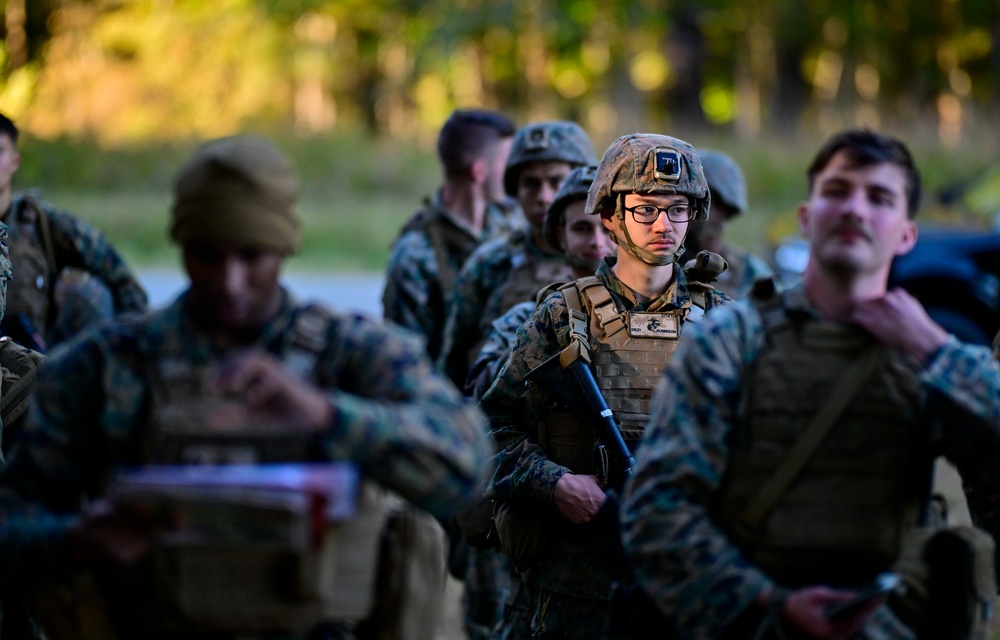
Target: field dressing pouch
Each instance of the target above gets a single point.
(949, 579)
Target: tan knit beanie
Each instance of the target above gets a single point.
(239, 190)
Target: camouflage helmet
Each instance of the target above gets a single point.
(651, 164)
(725, 180)
(574, 187)
(556, 141)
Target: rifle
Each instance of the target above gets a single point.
(614, 460)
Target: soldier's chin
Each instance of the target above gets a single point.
(589, 265)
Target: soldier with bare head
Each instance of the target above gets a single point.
(789, 453)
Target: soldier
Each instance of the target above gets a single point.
(473, 147)
(729, 199)
(585, 243)
(791, 442)
(495, 594)
(509, 270)
(68, 275)
(236, 341)
(625, 321)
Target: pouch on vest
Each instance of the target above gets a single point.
(524, 531)
(411, 576)
(950, 583)
(19, 367)
(252, 557)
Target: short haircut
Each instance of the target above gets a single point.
(466, 136)
(865, 147)
(7, 127)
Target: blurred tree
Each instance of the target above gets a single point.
(132, 69)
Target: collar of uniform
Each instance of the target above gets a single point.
(675, 297)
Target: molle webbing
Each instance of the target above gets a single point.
(191, 425)
(627, 368)
(527, 278)
(842, 519)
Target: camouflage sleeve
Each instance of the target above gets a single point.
(682, 559)
(965, 384)
(412, 297)
(56, 466)
(78, 244)
(407, 426)
(522, 469)
(496, 348)
(476, 279)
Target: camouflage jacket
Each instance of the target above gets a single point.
(478, 296)
(582, 558)
(424, 263)
(680, 556)
(74, 243)
(496, 348)
(406, 426)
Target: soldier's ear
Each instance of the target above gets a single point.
(479, 170)
(802, 215)
(907, 238)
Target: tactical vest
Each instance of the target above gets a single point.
(842, 519)
(32, 253)
(528, 274)
(451, 244)
(282, 588)
(629, 351)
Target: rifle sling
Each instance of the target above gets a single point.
(805, 448)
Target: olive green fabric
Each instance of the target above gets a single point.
(239, 190)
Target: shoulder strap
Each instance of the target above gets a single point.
(20, 372)
(44, 230)
(578, 320)
(774, 488)
(309, 330)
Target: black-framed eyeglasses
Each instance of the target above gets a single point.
(649, 213)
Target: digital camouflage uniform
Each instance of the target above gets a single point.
(406, 427)
(68, 275)
(506, 271)
(744, 269)
(582, 560)
(711, 399)
(496, 348)
(425, 261)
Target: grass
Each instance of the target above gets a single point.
(357, 191)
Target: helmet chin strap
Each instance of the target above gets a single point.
(652, 259)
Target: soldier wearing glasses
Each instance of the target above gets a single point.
(647, 190)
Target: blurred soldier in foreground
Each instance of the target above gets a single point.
(621, 325)
(790, 450)
(506, 271)
(68, 275)
(729, 199)
(235, 349)
(473, 147)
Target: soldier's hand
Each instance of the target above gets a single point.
(578, 497)
(900, 321)
(111, 532)
(805, 609)
(270, 387)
